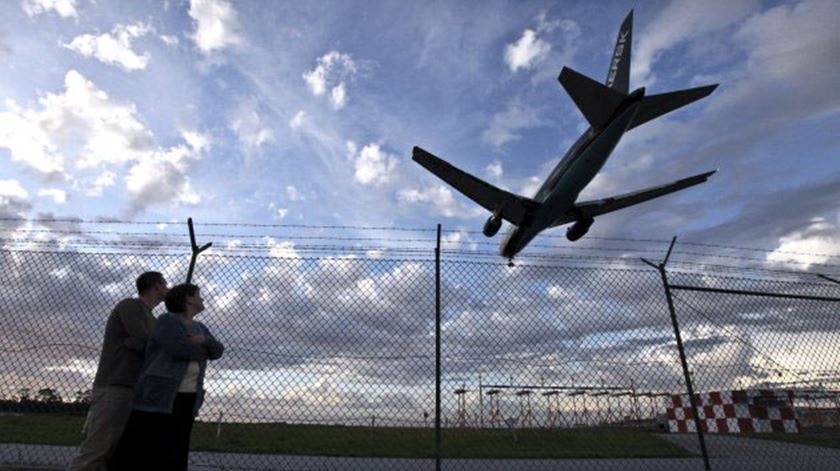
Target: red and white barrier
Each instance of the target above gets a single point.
(750, 411)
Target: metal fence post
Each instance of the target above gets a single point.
(694, 407)
(195, 249)
(437, 351)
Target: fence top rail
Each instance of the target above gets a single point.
(753, 293)
(553, 388)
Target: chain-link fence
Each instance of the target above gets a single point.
(330, 362)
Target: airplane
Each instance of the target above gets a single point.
(611, 112)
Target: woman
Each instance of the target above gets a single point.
(170, 391)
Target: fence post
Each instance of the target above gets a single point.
(437, 351)
(480, 403)
(195, 249)
(694, 407)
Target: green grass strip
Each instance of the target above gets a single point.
(321, 440)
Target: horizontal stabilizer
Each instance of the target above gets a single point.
(511, 207)
(654, 106)
(590, 209)
(595, 100)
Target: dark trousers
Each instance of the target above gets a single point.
(156, 441)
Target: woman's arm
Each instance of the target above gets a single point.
(215, 349)
(175, 340)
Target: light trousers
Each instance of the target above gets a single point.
(109, 410)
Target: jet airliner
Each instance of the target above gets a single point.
(611, 111)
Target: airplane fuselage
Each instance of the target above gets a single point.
(575, 171)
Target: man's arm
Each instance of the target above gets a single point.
(132, 316)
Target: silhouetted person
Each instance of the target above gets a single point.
(126, 334)
(170, 390)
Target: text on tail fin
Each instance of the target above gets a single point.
(618, 76)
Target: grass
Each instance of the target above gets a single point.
(419, 443)
(270, 438)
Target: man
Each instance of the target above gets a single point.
(129, 327)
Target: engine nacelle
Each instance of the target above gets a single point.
(579, 229)
(491, 227)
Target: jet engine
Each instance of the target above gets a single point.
(578, 229)
(491, 227)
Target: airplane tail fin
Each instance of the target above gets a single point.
(653, 106)
(596, 101)
(618, 76)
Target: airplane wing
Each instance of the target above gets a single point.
(594, 208)
(512, 208)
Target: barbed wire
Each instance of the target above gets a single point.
(430, 231)
(218, 224)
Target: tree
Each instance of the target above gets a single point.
(49, 395)
(84, 396)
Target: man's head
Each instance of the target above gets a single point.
(184, 299)
(152, 286)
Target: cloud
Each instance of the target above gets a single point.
(494, 170)
(531, 186)
(526, 52)
(169, 40)
(504, 125)
(104, 180)
(58, 196)
(441, 199)
(790, 38)
(534, 47)
(163, 177)
(338, 96)
(216, 25)
(29, 142)
(457, 240)
(83, 126)
(372, 166)
(249, 127)
(277, 212)
(681, 21)
(297, 120)
(816, 244)
(114, 48)
(109, 132)
(294, 194)
(332, 71)
(12, 189)
(64, 8)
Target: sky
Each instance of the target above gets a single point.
(305, 114)
(292, 113)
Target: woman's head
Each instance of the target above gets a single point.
(184, 299)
